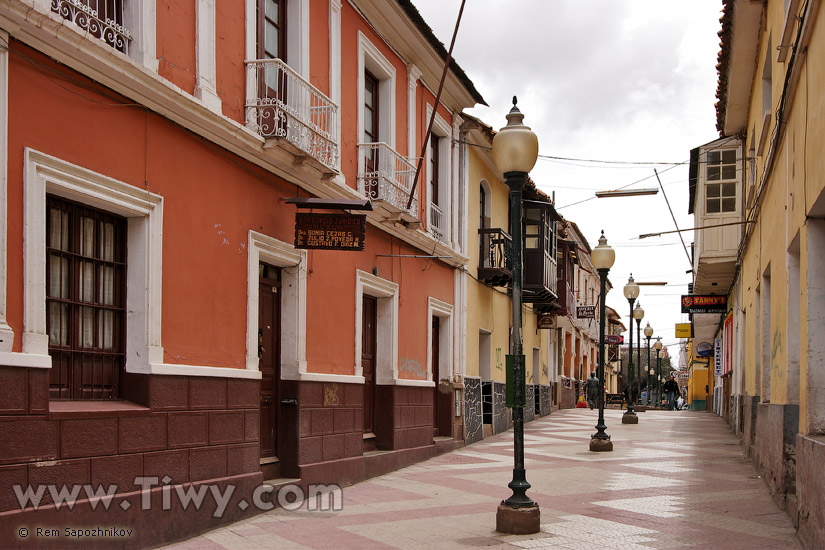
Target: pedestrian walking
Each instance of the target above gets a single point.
(671, 388)
(592, 387)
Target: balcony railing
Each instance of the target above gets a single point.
(436, 221)
(386, 176)
(288, 107)
(495, 257)
(102, 19)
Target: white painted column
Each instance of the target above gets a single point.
(206, 84)
(6, 334)
(335, 66)
(413, 74)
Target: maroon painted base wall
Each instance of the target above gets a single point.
(810, 490)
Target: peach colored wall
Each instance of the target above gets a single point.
(211, 201)
(230, 50)
(176, 42)
(319, 44)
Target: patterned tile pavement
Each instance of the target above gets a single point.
(675, 480)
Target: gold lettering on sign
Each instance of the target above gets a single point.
(330, 395)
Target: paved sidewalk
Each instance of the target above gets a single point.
(676, 480)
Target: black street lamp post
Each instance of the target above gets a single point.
(639, 314)
(515, 150)
(648, 334)
(631, 292)
(602, 257)
(658, 347)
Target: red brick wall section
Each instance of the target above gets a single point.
(195, 428)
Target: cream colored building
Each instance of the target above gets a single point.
(767, 171)
(489, 311)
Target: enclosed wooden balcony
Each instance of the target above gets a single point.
(495, 257)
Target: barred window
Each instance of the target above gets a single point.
(85, 300)
(102, 19)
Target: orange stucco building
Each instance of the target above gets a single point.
(156, 317)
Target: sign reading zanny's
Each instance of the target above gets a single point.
(330, 231)
(586, 312)
(693, 303)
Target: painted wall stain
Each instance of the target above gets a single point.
(411, 367)
(330, 394)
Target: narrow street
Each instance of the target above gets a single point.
(675, 480)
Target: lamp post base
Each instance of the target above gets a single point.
(630, 418)
(518, 521)
(598, 444)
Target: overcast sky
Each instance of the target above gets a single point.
(632, 81)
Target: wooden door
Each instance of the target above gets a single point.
(269, 354)
(436, 374)
(368, 338)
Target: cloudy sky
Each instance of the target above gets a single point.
(631, 82)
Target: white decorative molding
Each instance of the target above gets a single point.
(140, 17)
(443, 130)
(444, 311)
(31, 360)
(413, 74)
(206, 88)
(386, 320)
(336, 378)
(196, 370)
(6, 333)
(144, 212)
(292, 261)
(335, 61)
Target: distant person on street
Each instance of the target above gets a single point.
(592, 386)
(671, 388)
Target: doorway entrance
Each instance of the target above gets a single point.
(269, 363)
(369, 332)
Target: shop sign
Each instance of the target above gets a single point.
(717, 357)
(694, 303)
(704, 349)
(330, 231)
(586, 312)
(547, 320)
(684, 330)
(613, 339)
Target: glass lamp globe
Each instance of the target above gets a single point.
(515, 147)
(638, 313)
(648, 331)
(631, 289)
(603, 256)
(658, 344)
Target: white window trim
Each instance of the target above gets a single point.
(144, 212)
(445, 173)
(737, 181)
(297, 47)
(386, 317)
(370, 58)
(206, 88)
(444, 311)
(335, 61)
(266, 249)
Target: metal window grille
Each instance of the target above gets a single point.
(85, 300)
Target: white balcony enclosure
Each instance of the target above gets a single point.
(288, 107)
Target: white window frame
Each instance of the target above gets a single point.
(445, 173)
(736, 181)
(44, 175)
(293, 262)
(297, 46)
(370, 58)
(386, 317)
(444, 311)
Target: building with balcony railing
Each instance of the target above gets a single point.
(160, 314)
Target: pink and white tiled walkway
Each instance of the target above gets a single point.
(675, 480)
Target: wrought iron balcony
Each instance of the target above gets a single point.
(386, 177)
(495, 257)
(288, 107)
(436, 222)
(101, 19)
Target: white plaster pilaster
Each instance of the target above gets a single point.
(206, 85)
